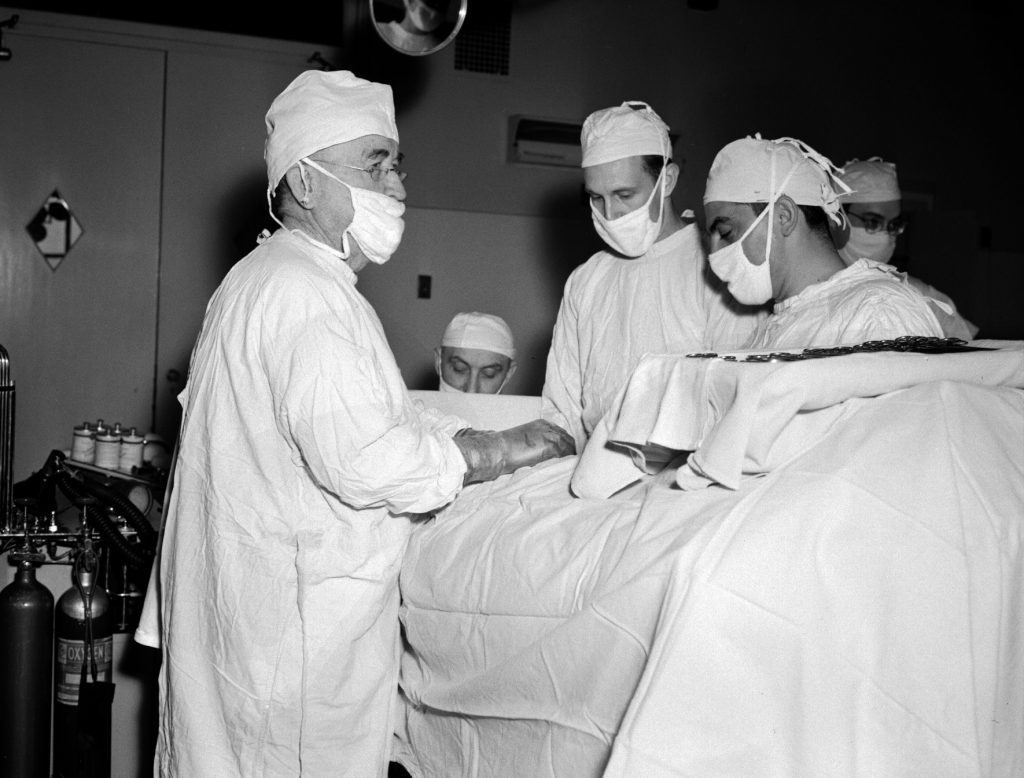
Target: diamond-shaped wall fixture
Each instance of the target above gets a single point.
(54, 229)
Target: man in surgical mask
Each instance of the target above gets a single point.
(650, 290)
(768, 205)
(302, 464)
(477, 354)
(873, 208)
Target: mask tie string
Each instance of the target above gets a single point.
(830, 195)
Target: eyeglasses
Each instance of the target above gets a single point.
(874, 224)
(377, 172)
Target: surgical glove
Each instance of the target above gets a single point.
(470, 431)
(490, 454)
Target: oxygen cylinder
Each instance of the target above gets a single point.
(83, 691)
(26, 661)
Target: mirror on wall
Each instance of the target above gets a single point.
(417, 27)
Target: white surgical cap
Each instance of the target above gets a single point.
(752, 170)
(872, 181)
(479, 330)
(630, 130)
(320, 109)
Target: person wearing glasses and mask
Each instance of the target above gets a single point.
(477, 354)
(768, 205)
(302, 463)
(873, 207)
(649, 291)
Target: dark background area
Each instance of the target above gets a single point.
(313, 21)
(319, 21)
(272, 21)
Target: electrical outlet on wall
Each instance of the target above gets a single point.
(423, 287)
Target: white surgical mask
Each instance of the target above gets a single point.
(750, 284)
(862, 244)
(377, 222)
(447, 387)
(633, 233)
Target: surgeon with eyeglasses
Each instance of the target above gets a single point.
(302, 467)
(874, 208)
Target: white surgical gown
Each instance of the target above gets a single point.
(301, 458)
(954, 325)
(614, 310)
(865, 301)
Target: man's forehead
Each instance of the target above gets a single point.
(363, 147)
(724, 211)
(628, 170)
(474, 356)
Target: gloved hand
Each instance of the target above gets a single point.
(490, 454)
(470, 431)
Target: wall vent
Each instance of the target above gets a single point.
(535, 141)
(483, 43)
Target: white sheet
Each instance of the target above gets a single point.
(746, 418)
(856, 609)
(483, 411)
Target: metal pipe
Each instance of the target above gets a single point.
(6, 438)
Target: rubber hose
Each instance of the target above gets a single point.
(125, 507)
(75, 490)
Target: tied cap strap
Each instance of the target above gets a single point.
(829, 194)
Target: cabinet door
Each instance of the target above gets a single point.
(83, 118)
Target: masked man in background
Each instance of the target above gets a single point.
(768, 205)
(301, 466)
(651, 291)
(873, 207)
(477, 354)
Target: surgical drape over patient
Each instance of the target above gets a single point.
(321, 109)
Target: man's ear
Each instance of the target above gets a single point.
(787, 215)
(300, 186)
(671, 178)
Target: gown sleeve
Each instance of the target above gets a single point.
(341, 402)
(562, 395)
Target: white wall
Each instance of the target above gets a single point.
(510, 265)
